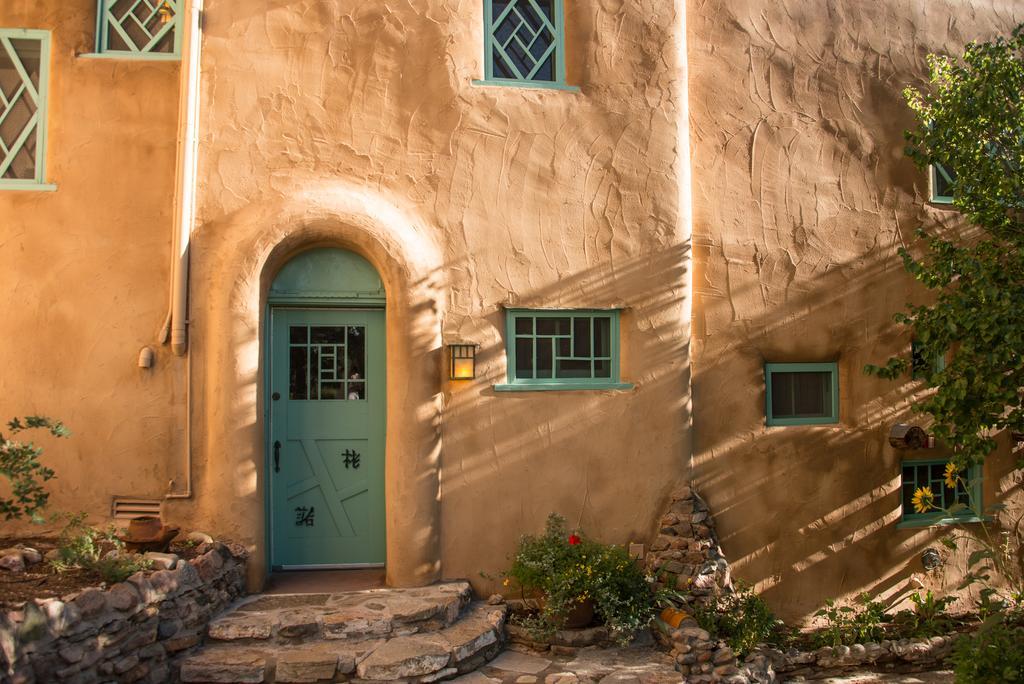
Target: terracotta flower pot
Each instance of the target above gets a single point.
(579, 616)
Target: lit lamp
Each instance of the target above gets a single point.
(463, 361)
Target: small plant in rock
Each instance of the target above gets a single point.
(742, 619)
(569, 570)
(859, 623)
(19, 464)
(82, 546)
(928, 618)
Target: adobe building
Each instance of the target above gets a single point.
(250, 252)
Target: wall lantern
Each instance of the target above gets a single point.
(463, 361)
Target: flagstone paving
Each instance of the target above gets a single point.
(379, 635)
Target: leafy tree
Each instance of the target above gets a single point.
(971, 120)
(19, 463)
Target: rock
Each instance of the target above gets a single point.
(51, 555)
(248, 627)
(224, 665)
(495, 600)
(31, 556)
(411, 656)
(91, 602)
(356, 622)
(122, 596)
(199, 538)
(562, 678)
(306, 665)
(162, 561)
(13, 562)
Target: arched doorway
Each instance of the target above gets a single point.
(326, 413)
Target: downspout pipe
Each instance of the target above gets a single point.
(185, 183)
(184, 217)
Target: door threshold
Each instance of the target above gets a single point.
(330, 566)
(325, 581)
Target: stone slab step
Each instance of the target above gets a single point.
(461, 647)
(348, 616)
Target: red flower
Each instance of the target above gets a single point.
(573, 540)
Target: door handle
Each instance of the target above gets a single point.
(277, 457)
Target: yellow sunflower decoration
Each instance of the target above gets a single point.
(952, 475)
(924, 499)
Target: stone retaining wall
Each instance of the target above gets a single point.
(125, 633)
(905, 655)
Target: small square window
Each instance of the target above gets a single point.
(802, 393)
(523, 42)
(139, 28)
(940, 183)
(932, 474)
(565, 349)
(24, 69)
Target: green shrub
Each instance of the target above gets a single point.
(846, 625)
(994, 653)
(569, 569)
(741, 618)
(82, 546)
(927, 619)
(19, 464)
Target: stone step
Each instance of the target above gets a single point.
(454, 649)
(349, 616)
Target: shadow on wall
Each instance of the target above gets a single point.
(807, 513)
(606, 460)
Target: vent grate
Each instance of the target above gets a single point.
(129, 508)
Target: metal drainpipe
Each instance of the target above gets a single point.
(184, 215)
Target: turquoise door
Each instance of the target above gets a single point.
(326, 446)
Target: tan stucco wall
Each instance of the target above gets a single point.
(802, 196)
(84, 270)
(474, 198)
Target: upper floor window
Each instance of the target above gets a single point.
(24, 69)
(524, 42)
(565, 349)
(802, 393)
(139, 28)
(940, 183)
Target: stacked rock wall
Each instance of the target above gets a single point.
(685, 554)
(126, 633)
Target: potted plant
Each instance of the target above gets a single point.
(577, 580)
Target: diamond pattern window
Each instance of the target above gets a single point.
(24, 66)
(139, 28)
(524, 41)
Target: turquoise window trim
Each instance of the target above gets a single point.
(133, 56)
(107, 25)
(41, 99)
(534, 85)
(557, 29)
(26, 186)
(933, 172)
(975, 478)
(516, 384)
(831, 367)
